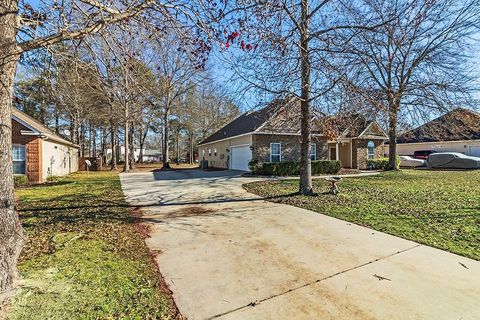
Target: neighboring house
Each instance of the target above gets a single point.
(456, 131)
(272, 134)
(149, 155)
(38, 152)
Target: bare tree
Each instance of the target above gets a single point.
(417, 60)
(286, 46)
(24, 29)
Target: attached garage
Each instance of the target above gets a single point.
(240, 156)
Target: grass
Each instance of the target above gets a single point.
(85, 257)
(439, 209)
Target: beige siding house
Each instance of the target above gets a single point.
(272, 134)
(456, 131)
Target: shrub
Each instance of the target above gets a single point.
(326, 166)
(255, 166)
(380, 163)
(53, 179)
(20, 181)
(292, 168)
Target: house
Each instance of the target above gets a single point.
(272, 134)
(38, 152)
(149, 155)
(455, 131)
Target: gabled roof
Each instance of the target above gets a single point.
(458, 124)
(283, 116)
(351, 125)
(39, 128)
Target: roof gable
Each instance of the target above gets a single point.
(373, 130)
(458, 124)
(38, 128)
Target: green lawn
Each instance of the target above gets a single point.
(440, 209)
(84, 257)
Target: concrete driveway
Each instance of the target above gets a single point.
(226, 254)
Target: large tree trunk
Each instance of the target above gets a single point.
(143, 136)
(11, 232)
(166, 115)
(132, 147)
(392, 136)
(305, 162)
(113, 164)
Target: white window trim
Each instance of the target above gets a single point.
(368, 151)
(24, 160)
(314, 153)
(209, 152)
(279, 150)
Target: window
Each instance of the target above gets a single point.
(18, 159)
(370, 150)
(209, 152)
(275, 152)
(215, 152)
(313, 152)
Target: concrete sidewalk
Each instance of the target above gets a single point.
(228, 254)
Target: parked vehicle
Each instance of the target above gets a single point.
(453, 160)
(423, 154)
(407, 161)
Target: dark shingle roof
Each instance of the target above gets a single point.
(284, 116)
(246, 123)
(459, 124)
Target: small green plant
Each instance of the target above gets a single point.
(380, 163)
(20, 181)
(53, 178)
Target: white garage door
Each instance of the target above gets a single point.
(240, 156)
(474, 151)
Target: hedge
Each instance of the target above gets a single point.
(380, 163)
(20, 181)
(292, 168)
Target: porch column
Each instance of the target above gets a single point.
(337, 153)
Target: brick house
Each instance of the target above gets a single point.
(272, 134)
(38, 152)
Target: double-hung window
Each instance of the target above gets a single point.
(18, 153)
(370, 150)
(275, 152)
(313, 152)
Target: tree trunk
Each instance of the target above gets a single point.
(305, 186)
(166, 115)
(178, 146)
(11, 232)
(143, 136)
(103, 146)
(132, 148)
(126, 167)
(191, 157)
(113, 164)
(94, 142)
(392, 135)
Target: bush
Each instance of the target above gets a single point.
(326, 166)
(53, 178)
(20, 181)
(292, 168)
(380, 163)
(255, 166)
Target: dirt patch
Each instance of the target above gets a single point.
(189, 212)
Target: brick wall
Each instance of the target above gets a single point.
(33, 151)
(360, 152)
(290, 147)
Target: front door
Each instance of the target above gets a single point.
(333, 153)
